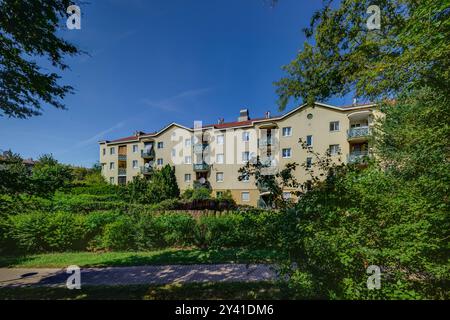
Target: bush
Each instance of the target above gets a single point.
(120, 234)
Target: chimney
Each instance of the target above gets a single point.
(267, 115)
(355, 101)
(243, 115)
(220, 121)
(138, 133)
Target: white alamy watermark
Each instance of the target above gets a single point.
(74, 280)
(374, 280)
(74, 20)
(374, 20)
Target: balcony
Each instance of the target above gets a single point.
(201, 167)
(262, 187)
(122, 157)
(200, 147)
(148, 153)
(122, 171)
(265, 142)
(358, 133)
(146, 170)
(358, 156)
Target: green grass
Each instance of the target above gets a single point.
(238, 290)
(159, 257)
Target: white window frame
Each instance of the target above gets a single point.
(137, 164)
(242, 196)
(112, 166)
(287, 195)
(248, 157)
(111, 180)
(173, 153)
(288, 133)
(158, 162)
(286, 156)
(220, 139)
(187, 159)
(104, 151)
(188, 142)
(334, 125)
(337, 149)
(135, 148)
(112, 151)
(217, 176)
(187, 175)
(160, 145)
(310, 163)
(222, 158)
(246, 136)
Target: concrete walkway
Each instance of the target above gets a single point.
(15, 277)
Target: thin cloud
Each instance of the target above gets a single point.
(175, 102)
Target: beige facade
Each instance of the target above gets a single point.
(214, 153)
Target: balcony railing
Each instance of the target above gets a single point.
(147, 154)
(358, 132)
(122, 157)
(357, 156)
(146, 170)
(200, 147)
(122, 172)
(201, 167)
(264, 142)
(262, 187)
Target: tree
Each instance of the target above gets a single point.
(28, 29)
(410, 50)
(49, 176)
(14, 175)
(273, 182)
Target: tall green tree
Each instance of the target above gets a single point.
(14, 175)
(342, 55)
(48, 176)
(28, 30)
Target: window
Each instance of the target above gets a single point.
(187, 160)
(112, 150)
(286, 153)
(220, 139)
(188, 142)
(245, 196)
(122, 180)
(111, 180)
(287, 131)
(104, 151)
(187, 177)
(219, 176)
(245, 156)
(334, 126)
(309, 141)
(246, 178)
(159, 162)
(174, 153)
(286, 195)
(308, 162)
(309, 116)
(219, 158)
(103, 166)
(160, 145)
(334, 149)
(135, 148)
(135, 164)
(245, 136)
(111, 166)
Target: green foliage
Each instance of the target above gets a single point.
(23, 37)
(120, 234)
(201, 193)
(14, 175)
(342, 55)
(49, 176)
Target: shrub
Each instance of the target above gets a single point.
(120, 234)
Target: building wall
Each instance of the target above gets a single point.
(175, 149)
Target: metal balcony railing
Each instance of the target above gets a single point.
(147, 154)
(264, 142)
(122, 171)
(146, 170)
(201, 167)
(122, 157)
(357, 156)
(358, 132)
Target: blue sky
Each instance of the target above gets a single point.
(152, 62)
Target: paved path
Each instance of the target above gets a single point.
(16, 277)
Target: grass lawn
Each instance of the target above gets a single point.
(214, 291)
(166, 256)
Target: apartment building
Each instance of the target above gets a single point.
(212, 154)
